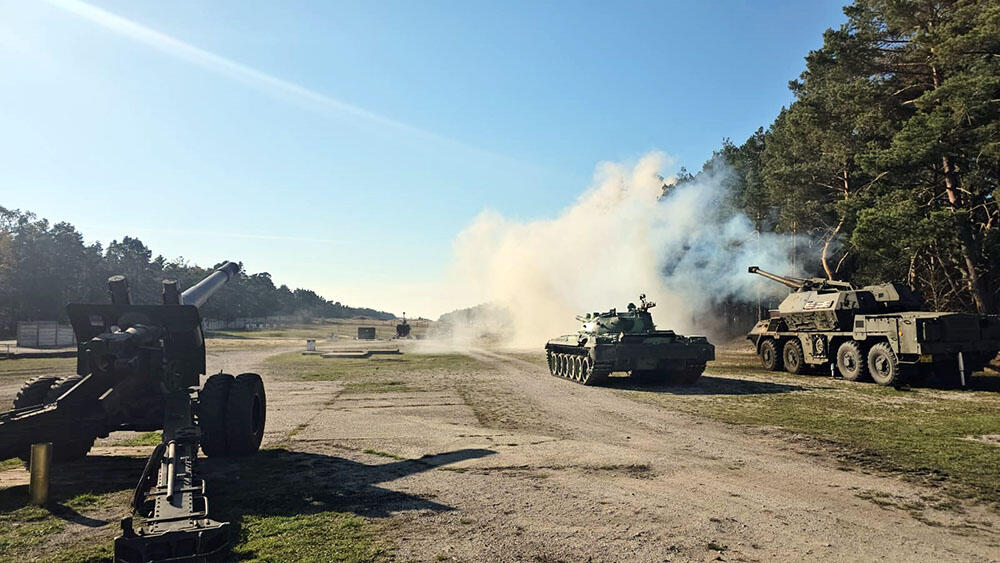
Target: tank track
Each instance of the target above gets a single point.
(578, 367)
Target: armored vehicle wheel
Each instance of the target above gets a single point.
(791, 355)
(212, 401)
(770, 355)
(33, 391)
(884, 365)
(246, 412)
(850, 361)
(75, 442)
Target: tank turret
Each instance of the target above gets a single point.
(822, 304)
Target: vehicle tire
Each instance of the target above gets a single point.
(77, 441)
(213, 400)
(791, 356)
(246, 412)
(33, 391)
(851, 361)
(883, 365)
(770, 355)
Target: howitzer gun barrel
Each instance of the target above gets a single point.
(794, 283)
(199, 293)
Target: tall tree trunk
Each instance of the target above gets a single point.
(966, 239)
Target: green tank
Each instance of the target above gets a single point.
(878, 331)
(627, 342)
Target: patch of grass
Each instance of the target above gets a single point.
(919, 433)
(712, 546)
(93, 553)
(378, 374)
(321, 536)
(84, 501)
(27, 368)
(145, 439)
(26, 528)
(291, 506)
(12, 463)
(377, 387)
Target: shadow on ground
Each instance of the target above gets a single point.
(708, 385)
(96, 475)
(286, 483)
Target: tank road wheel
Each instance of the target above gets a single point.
(884, 365)
(791, 355)
(33, 391)
(850, 361)
(585, 370)
(246, 412)
(212, 401)
(578, 368)
(76, 442)
(551, 360)
(770, 355)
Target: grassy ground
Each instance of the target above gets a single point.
(931, 435)
(280, 506)
(26, 368)
(329, 328)
(379, 373)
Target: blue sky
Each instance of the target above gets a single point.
(341, 146)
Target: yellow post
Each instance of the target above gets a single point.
(41, 461)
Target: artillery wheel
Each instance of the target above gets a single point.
(884, 365)
(770, 355)
(212, 401)
(791, 355)
(76, 442)
(850, 361)
(33, 391)
(246, 412)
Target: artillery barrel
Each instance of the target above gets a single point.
(199, 293)
(794, 283)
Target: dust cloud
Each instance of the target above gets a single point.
(622, 237)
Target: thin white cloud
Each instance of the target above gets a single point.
(249, 76)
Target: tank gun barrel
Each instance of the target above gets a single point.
(199, 293)
(794, 283)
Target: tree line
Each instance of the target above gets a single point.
(44, 266)
(889, 156)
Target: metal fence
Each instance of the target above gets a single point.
(44, 334)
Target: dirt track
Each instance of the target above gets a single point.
(542, 469)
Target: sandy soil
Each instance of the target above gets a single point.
(504, 462)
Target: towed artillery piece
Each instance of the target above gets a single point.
(138, 368)
(627, 342)
(876, 330)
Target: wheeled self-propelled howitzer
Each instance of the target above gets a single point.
(627, 341)
(875, 330)
(138, 368)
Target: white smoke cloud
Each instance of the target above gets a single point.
(622, 237)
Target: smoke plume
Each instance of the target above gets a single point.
(622, 237)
